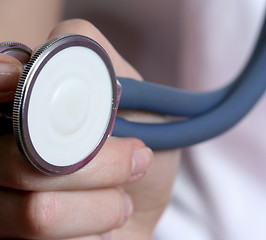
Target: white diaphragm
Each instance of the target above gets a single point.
(65, 104)
(70, 106)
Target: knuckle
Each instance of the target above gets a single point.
(39, 213)
(120, 164)
(122, 160)
(118, 209)
(86, 28)
(117, 156)
(121, 168)
(78, 26)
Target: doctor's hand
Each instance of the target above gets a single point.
(86, 203)
(151, 193)
(110, 198)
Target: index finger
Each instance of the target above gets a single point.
(118, 162)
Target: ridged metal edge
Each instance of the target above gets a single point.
(11, 43)
(19, 97)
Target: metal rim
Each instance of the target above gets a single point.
(23, 93)
(17, 50)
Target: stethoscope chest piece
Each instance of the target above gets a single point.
(65, 104)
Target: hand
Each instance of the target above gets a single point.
(85, 203)
(152, 193)
(91, 201)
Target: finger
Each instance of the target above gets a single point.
(10, 71)
(79, 26)
(57, 215)
(105, 236)
(119, 161)
(94, 237)
(98, 237)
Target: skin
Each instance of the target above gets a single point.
(97, 202)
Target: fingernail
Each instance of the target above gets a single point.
(128, 205)
(9, 76)
(106, 236)
(141, 160)
(128, 209)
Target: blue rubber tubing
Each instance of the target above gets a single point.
(167, 100)
(235, 104)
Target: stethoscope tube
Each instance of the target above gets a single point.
(168, 100)
(210, 114)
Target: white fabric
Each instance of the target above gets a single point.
(220, 192)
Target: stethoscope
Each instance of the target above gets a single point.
(68, 95)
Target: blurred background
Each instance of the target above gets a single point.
(165, 40)
(197, 45)
(144, 32)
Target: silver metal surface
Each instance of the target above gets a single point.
(17, 50)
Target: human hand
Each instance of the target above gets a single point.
(85, 203)
(38, 206)
(88, 202)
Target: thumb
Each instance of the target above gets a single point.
(10, 71)
(152, 193)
